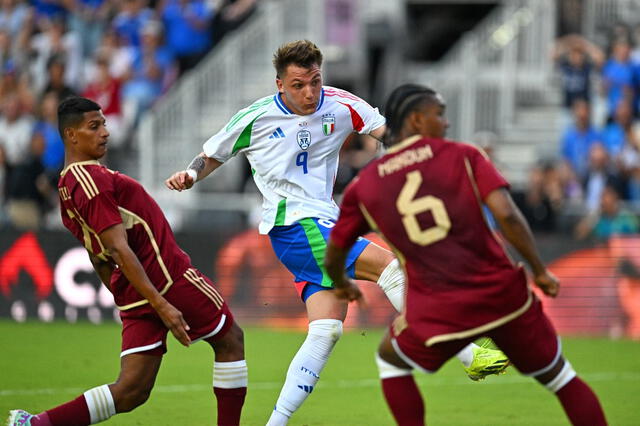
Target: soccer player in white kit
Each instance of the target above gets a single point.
(292, 140)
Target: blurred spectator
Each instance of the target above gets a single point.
(543, 199)
(576, 58)
(610, 219)
(120, 55)
(578, 138)
(105, 90)
(47, 9)
(22, 167)
(56, 83)
(88, 19)
(55, 42)
(629, 165)
(11, 83)
(230, 14)
(13, 15)
(132, 17)
(48, 139)
(618, 75)
(187, 28)
(599, 174)
(150, 71)
(618, 131)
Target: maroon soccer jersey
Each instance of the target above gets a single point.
(425, 197)
(93, 198)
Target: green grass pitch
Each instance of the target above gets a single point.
(42, 365)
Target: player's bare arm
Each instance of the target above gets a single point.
(199, 168)
(114, 239)
(516, 230)
(334, 262)
(103, 268)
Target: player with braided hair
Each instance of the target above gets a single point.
(461, 284)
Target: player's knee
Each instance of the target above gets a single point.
(329, 329)
(559, 375)
(129, 397)
(229, 347)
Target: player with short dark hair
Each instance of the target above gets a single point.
(134, 252)
(292, 140)
(425, 196)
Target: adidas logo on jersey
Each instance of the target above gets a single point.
(277, 134)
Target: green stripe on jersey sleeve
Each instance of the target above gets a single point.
(244, 140)
(318, 247)
(281, 212)
(251, 108)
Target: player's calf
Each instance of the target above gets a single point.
(579, 402)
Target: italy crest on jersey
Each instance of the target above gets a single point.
(304, 138)
(328, 124)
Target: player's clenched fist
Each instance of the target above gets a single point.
(180, 181)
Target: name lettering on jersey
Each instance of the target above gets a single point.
(64, 193)
(328, 124)
(405, 159)
(304, 138)
(277, 134)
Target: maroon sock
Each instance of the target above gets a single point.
(404, 400)
(581, 404)
(230, 403)
(73, 413)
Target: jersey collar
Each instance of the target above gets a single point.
(281, 105)
(80, 163)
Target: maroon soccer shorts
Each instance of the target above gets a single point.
(201, 305)
(530, 342)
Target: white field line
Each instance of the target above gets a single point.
(428, 381)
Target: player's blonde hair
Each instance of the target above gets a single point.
(302, 53)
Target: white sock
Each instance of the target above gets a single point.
(387, 370)
(305, 368)
(466, 354)
(391, 281)
(230, 375)
(100, 403)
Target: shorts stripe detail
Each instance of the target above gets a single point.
(141, 348)
(483, 328)
(551, 364)
(215, 331)
(318, 247)
(406, 359)
(204, 287)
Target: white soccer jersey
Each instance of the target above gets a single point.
(294, 158)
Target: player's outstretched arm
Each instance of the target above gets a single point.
(199, 168)
(334, 262)
(114, 239)
(515, 229)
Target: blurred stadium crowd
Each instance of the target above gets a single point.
(596, 173)
(124, 54)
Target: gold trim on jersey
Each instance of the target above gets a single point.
(130, 219)
(85, 181)
(192, 276)
(483, 328)
(80, 163)
(87, 231)
(405, 143)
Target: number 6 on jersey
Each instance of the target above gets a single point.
(410, 207)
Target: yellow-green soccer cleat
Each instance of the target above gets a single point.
(486, 361)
